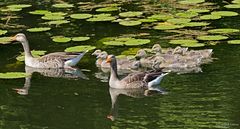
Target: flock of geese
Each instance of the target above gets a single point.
(156, 62)
(145, 70)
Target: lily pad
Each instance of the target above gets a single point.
(5, 40)
(60, 39)
(39, 12)
(187, 14)
(130, 14)
(183, 41)
(102, 17)
(125, 41)
(2, 32)
(136, 42)
(233, 42)
(11, 9)
(199, 10)
(148, 20)
(52, 17)
(35, 53)
(160, 17)
(212, 37)
(63, 5)
(224, 13)
(130, 23)
(80, 38)
(81, 16)
(232, 6)
(107, 9)
(13, 75)
(19, 6)
(40, 29)
(193, 45)
(178, 20)
(191, 1)
(80, 48)
(210, 17)
(167, 26)
(195, 24)
(223, 31)
(236, 1)
(58, 22)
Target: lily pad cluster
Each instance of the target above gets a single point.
(15, 7)
(101, 17)
(121, 41)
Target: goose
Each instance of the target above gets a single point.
(147, 80)
(52, 60)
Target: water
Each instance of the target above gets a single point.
(197, 100)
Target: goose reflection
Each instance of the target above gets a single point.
(73, 73)
(134, 93)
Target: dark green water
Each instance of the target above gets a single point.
(199, 100)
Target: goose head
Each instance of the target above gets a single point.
(103, 55)
(20, 37)
(96, 52)
(141, 54)
(157, 48)
(111, 59)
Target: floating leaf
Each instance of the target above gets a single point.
(194, 24)
(187, 14)
(183, 41)
(40, 12)
(210, 17)
(160, 17)
(232, 6)
(167, 26)
(80, 38)
(11, 9)
(130, 23)
(107, 9)
(193, 45)
(199, 10)
(60, 39)
(5, 40)
(40, 29)
(13, 75)
(224, 13)
(148, 20)
(212, 37)
(135, 42)
(81, 16)
(35, 53)
(58, 22)
(101, 17)
(2, 32)
(63, 5)
(191, 1)
(19, 6)
(223, 31)
(130, 14)
(178, 20)
(52, 17)
(125, 41)
(80, 48)
(234, 42)
(236, 1)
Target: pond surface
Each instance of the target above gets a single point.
(209, 99)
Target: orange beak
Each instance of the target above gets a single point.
(13, 38)
(108, 60)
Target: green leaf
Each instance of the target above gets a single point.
(160, 17)
(233, 42)
(130, 23)
(63, 5)
(193, 45)
(178, 20)
(167, 26)
(212, 37)
(191, 1)
(130, 14)
(5, 40)
(187, 14)
(194, 24)
(210, 17)
(52, 17)
(58, 22)
(13, 75)
(80, 38)
(2, 32)
(223, 31)
(115, 41)
(199, 10)
(81, 16)
(232, 6)
(35, 53)
(61, 39)
(107, 9)
(40, 12)
(80, 48)
(19, 6)
(40, 29)
(101, 17)
(224, 13)
(183, 41)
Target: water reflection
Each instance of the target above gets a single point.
(73, 73)
(134, 93)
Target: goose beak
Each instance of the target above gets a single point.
(108, 60)
(13, 38)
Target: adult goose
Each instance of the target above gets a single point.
(147, 79)
(52, 60)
